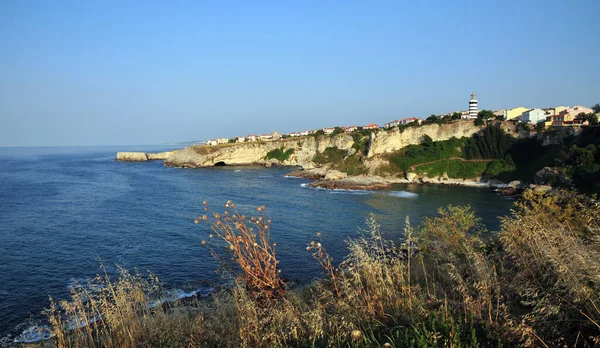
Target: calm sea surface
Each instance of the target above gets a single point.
(64, 209)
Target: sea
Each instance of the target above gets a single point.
(65, 212)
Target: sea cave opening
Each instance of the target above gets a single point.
(220, 164)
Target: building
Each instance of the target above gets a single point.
(371, 126)
(240, 139)
(499, 113)
(473, 107)
(514, 114)
(578, 109)
(392, 124)
(350, 129)
(265, 137)
(275, 135)
(252, 137)
(533, 116)
(559, 109)
(211, 142)
(408, 120)
(328, 130)
(222, 141)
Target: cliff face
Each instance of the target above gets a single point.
(305, 148)
(388, 141)
(255, 153)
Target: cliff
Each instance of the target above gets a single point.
(382, 142)
(142, 156)
(304, 150)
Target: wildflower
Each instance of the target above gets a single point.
(255, 244)
(387, 345)
(355, 335)
(229, 202)
(318, 234)
(307, 248)
(196, 221)
(231, 247)
(211, 235)
(203, 217)
(319, 245)
(204, 203)
(312, 242)
(274, 244)
(203, 242)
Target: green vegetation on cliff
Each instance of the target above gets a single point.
(280, 154)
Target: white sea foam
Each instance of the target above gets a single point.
(402, 194)
(34, 334)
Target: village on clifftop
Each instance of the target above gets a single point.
(559, 116)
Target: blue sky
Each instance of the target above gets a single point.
(104, 72)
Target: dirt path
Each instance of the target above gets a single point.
(415, 166)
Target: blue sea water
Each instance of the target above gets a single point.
(64, 209)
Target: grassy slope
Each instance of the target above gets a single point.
(457, 290)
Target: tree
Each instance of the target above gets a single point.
(540, 126)
(432, 118)
(319, 132)
(596, 108)
(479, 121)
(337, 130)
(456, 116)
(591, 118)
(486, 114)
(427, 140)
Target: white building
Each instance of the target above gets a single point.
(534, 116)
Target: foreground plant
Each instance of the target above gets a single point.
(246, 241)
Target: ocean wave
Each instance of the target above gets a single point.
(402, 194)
(38, 333)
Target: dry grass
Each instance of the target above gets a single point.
(535, 285)
(247, 242)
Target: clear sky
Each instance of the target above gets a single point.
(145, 72)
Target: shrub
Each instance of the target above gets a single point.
(455, 168)
(415, 154)
(247, 243)
(552, 244)
(330, 155)
(280, 154)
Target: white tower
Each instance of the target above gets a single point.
(473, 107)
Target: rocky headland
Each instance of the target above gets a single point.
(369, 152)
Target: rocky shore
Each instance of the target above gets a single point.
(142, 156)
(333, 179)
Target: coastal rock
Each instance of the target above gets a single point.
(517, 184)
(349, 185)
(548, 175)
(312, 174)
(308, 166)
(159, 156)
(412, 177)
(335, 175)
(132, 156)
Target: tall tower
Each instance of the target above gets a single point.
(473, 107)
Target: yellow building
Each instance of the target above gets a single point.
(559, 109)
(514, 113)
